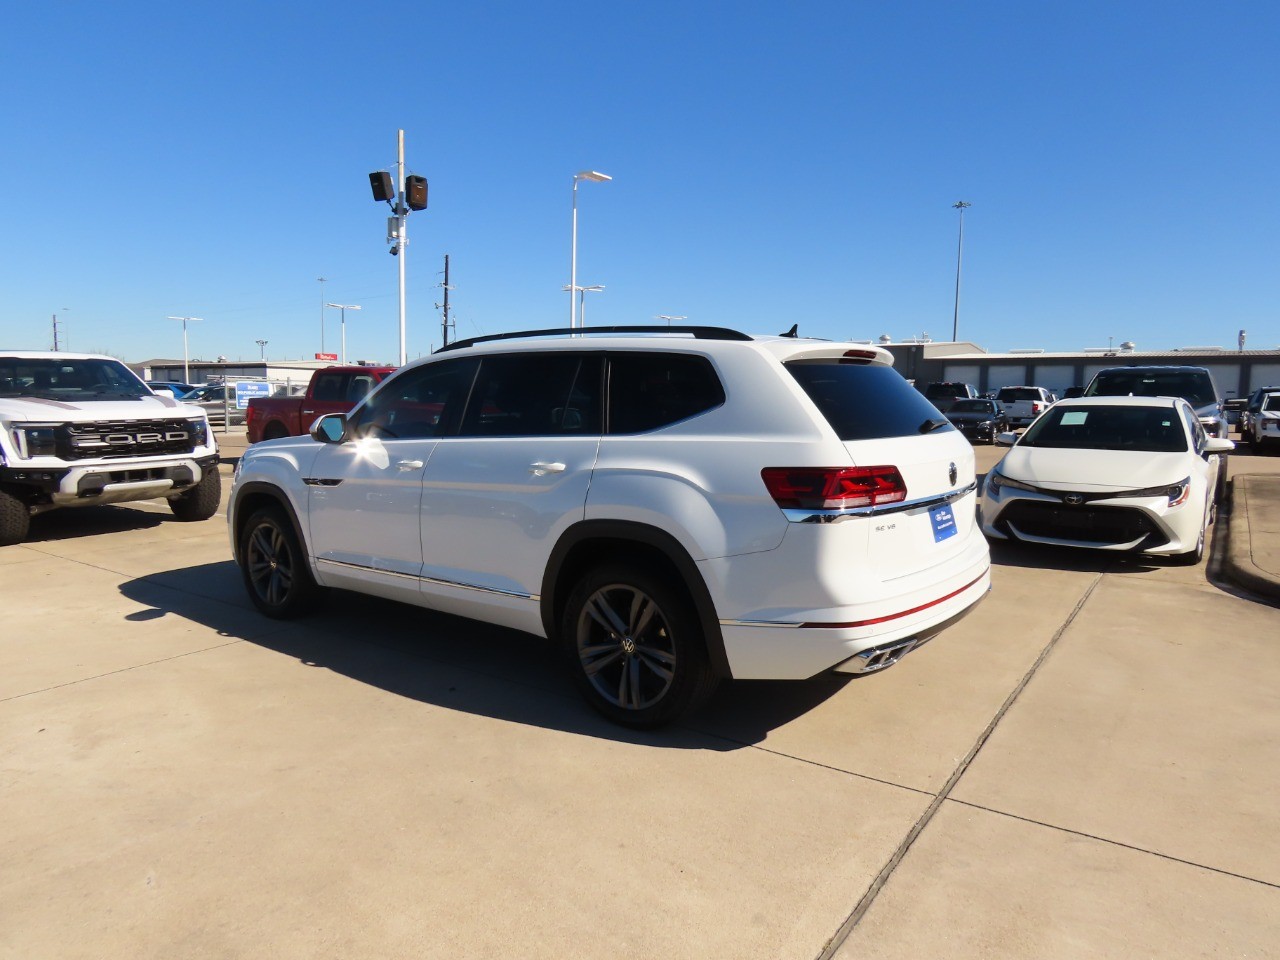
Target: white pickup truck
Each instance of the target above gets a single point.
(79, 430)
(1024, 404)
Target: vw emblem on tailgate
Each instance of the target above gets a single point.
(1073, 499)
(953, 473)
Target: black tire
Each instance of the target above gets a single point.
(274, 431)
(201, 501)
(15, 519)
(635, 646)
(275, 568)
(1220, 487)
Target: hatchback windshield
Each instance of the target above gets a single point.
(68, 379)
(1194, 386)
(1145, 429)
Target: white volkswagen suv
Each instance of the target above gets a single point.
(672, 506)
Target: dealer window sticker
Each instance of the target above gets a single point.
(1074, 418)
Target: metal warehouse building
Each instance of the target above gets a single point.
(1237, 373)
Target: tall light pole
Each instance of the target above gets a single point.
(663, 316)
(955, 320)
(595, 177)
(321, 281)
(582, 293)
(186, 363)
(262, 349)
(344, 307)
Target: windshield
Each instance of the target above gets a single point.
(1014, 394)
(1147, 429)
(973, 406)
(1194, 386)
(866, 401)
(55, 378)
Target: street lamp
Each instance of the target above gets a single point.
(663, 316)
(186, 372)
(582, 293)
(321, 281)
(262, 349)
(595, 177)
(344, 307)
(955, 320)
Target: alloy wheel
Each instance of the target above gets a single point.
(625, 647)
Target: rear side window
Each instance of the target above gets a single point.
(330, 387)
(650, 390)
(534, 395)
(866, 402)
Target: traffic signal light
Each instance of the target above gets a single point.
(415, 192)
(383, 189)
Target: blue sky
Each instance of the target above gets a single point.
(773, 164)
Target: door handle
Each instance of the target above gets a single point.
(409, 465)
(540, 468)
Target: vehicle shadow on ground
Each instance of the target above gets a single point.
(461, 664)
(79, 522)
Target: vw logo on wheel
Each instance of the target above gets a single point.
(1073, 499)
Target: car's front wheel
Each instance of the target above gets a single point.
(15, 519)
(635, 646)
(274, 566)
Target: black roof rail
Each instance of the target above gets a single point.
(699, 333)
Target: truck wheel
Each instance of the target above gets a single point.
(201, 501)
(274, 431)
(15, 519)
(274, 566)
(635, 646)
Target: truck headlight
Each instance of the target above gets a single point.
(35, 440)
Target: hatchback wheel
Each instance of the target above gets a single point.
(274, 566)
(636, 647)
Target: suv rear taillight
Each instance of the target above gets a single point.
(833, 488)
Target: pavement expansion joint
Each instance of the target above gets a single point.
(1116, 843)
(864, 904)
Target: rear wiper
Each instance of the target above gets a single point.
(932, 424)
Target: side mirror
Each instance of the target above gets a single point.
(1007, 439)
(330, 428)
(1218, 445)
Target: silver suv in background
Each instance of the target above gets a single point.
(1193, 384)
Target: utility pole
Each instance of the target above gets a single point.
(402, 231)
(55, 333)
(321, 282)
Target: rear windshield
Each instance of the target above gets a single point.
(866, 401)
(1014, 394)
(1194, 386)
(1144, 429)
(941, 391)
(973, 406)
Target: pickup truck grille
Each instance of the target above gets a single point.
(106, 439)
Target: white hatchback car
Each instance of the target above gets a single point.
(674, 507)
(1110, 473)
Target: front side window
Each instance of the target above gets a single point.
(1271, 402)
(650, 389)
(866, 401)
(535, 394)
(419, 403)
(1145, 429)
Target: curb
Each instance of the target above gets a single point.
(1238, 565)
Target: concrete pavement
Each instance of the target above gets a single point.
(1086, 766)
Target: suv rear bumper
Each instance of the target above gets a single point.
(805, 646)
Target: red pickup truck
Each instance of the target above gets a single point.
(331, 390)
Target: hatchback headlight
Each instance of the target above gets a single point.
(1176, 492)
(996, 480)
